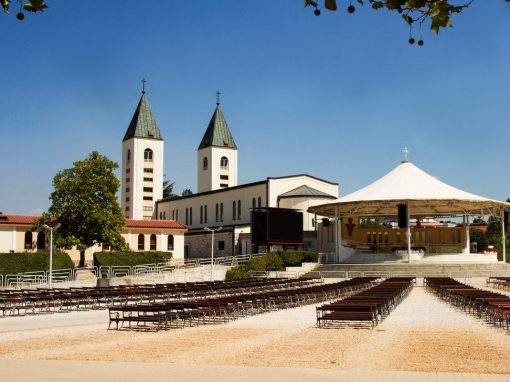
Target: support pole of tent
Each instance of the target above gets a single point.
(408, 233)
(337, 248)
(468, 240)
(503, 229)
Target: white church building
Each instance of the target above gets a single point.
(220, 202)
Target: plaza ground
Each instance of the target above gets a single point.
(422, 339)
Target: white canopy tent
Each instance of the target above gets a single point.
(424, 195)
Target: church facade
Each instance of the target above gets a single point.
(220, 204)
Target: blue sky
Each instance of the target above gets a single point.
(336, 96)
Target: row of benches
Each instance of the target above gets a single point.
(222, 309)
(499, 282)
(20, 302)
(369, 306)
(491, 306)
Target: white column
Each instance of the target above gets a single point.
(337, 248)
(129, 239)
(161, 238)
(408, 233)
(468, 240)
(503, 238)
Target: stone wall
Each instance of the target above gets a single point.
(199, 245)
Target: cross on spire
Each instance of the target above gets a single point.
(406, 152)
(143, 85)
(218, 97)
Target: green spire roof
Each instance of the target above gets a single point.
(307, 191)
(143, 124)
(217, 133)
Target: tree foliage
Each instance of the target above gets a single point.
(168, 189)
(187, 192)
(33, 6)
(413, 12)
(85, 204)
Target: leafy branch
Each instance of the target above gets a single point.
(414, 12)
(33, 6)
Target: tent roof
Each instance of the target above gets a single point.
(406, 183)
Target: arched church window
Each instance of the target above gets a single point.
(253, 203)
(153, 242)
(141, 242)
(129, 155)
(28, 240)
(148, 155)
(234, 210)
(259, 202)
(41, 240)
(205, 164)
(224, 162)
(170, 245)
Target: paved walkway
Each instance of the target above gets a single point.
(77, 371)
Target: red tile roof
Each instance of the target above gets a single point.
(168, 224)
(17, 219)
(29, 219)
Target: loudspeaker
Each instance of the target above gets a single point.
(402, 216)
(325, 222)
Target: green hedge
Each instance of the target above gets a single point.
(130, 258)
(12, 263)
(272, 261)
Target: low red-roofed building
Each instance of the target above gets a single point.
(140, 235)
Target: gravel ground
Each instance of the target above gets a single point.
(421, 334)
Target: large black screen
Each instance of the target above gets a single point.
(277, 225)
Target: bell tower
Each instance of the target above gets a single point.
(142, 163)
(217, 155)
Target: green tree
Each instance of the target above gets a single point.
(187, 192)
(85, 205)
(168, 189)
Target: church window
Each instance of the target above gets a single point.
(161, 216)
(224, 177)
(170, 245)
(201, 214)
(28, 240)
(148, 170)
(147, 179)
(205, 164)
(127, 189)
(259, 202)
(141, 242)
(153, 242)
(164, 215)
(147, 189)
(224, 162)
(205, 214)
(147, 198)
(186, 216)
(129, 155)
(221, 212)
(253, 203)
(238, 210)
(221, 245)
(191, 216)
(41, 240)
(217, 212)
(234, 210)
(147, 155)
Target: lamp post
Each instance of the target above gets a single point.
(46, 226)
(212, 248)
